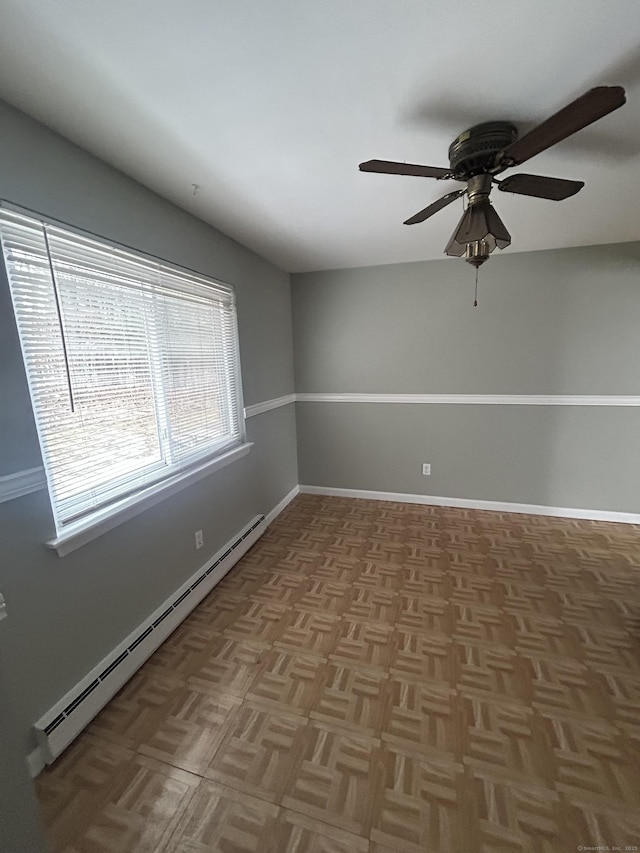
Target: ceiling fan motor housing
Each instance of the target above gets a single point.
(474, 151)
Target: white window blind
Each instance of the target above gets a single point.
(132, 364)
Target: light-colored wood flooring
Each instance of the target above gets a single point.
(380, 678)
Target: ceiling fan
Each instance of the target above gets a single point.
(486, 150)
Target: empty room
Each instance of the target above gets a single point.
(319, 426)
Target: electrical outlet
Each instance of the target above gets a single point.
(426, 468)
(199, 539)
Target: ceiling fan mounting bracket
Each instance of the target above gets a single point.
(474, 151)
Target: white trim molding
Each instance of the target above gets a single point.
(469, 503)
(267, 405)
(22, 483)
(476, 399)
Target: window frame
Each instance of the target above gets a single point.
(73, 533)
(79, 533)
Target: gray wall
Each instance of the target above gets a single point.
(20, 826)
(67, 613)
(558, 322)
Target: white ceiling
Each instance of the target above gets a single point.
(269, 106)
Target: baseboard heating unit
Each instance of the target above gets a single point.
(57, 728)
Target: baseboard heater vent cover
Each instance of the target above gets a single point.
(64, 722)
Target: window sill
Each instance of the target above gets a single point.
(78, 534)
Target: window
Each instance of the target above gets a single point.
(132, 364)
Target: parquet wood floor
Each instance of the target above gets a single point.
(380, 678)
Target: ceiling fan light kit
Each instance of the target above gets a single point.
(488, 149)
(480, 229)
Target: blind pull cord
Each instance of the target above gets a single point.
(59, 313)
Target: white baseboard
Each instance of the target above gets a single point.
(468, 503)
(275, 512)
(70, 715)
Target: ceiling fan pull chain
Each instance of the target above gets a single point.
(475, 303)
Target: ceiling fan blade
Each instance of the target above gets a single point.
(555, 189)
(593, 105)
(435, 207)
(390, 167)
